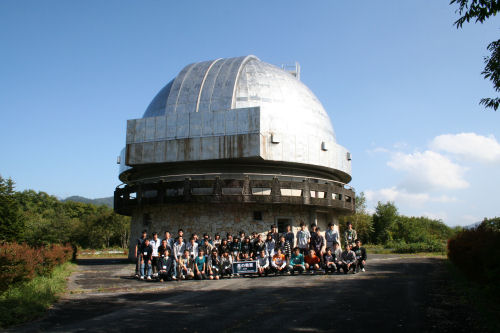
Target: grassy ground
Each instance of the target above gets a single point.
(380, 249)
(27, 301)
(484, 298)
(102, 253)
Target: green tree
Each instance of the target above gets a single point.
(362, 222)
(480, 11)
(11, 224)
(384, 220)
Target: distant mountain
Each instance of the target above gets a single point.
(474, 225)
(100, 201)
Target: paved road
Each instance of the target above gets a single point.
(391, 296)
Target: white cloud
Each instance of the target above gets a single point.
(393, 194)
(436, 216)
(469, 146)
(428, 171)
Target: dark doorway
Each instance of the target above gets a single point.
(282, 223)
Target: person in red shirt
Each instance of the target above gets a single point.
(312, 261)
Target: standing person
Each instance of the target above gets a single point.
(296, 263)
(258, 247)
(246, 246)
(312, 262)
(180, 233)
(224, 246)
(155, 244)
(226, 265)
(207, 247)
(146, 255)
(285, 247)
(275, 234)
(303, 238)
(138, 247)
(186, 266)
(235, 247)
(329, 261)
(200, 266)
(360, 256)
(206, 236)
(289, 236)
(192, 247)
(348, 260)
(317, 241)
(350, 234)
(263, 263)
(270, 245)
(331, 236)
(169, 239)
(278, 263)
(179, 248)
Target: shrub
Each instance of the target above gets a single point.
(428, 246)
(20, 262)
(476, 253)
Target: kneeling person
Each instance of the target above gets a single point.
(312, 261)
(360, 256)
(348, 258)
(226, 263)
(329, 261)
(297, 262)
(263, 263)
(279, 262)
(166, 267)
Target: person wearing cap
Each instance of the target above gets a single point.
(350, 234)
(138, 246)
(360, 256)
(303, 238)
(331, 236)
(166, 264)
(146, 256)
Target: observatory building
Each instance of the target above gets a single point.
(233, 144)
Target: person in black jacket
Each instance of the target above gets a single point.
(166, 266)
(284, 246)
(258, 247)
(360, 256)
(246, 246)
(146, 256)
(317, 241)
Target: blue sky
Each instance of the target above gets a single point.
(399, 81)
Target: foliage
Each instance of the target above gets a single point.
(492, 224)
(425, 246)
(384, 219)
(480, 11)
(29, 300)
(362, 222)
(20, 262)
(11, 224)
(476, 253)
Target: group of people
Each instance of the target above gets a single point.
(177, 258)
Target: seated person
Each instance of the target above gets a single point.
(244, 256)
(296, 262)
(278, 263)
(186, 266)
(226, 263)
(200, 265)
(329, 261)
(312, 261)
(348, 258)
(263, 263)
(360, 256)
(166, 267)
(337, 255)
(214, 265)
(146, 257)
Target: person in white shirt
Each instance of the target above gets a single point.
(331, 236)
(192, 247)
(179, 248)
(303, 239)
(155, 244)
(263, 263)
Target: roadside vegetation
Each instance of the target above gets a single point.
(387, 231)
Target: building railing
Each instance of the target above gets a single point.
(293, 190)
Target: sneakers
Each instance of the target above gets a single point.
(142, 277)
(174, 278)
(148, 278)
(161, 280)
(362, 269)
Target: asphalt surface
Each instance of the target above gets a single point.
(392, 296)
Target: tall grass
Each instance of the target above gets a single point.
(29, 300)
